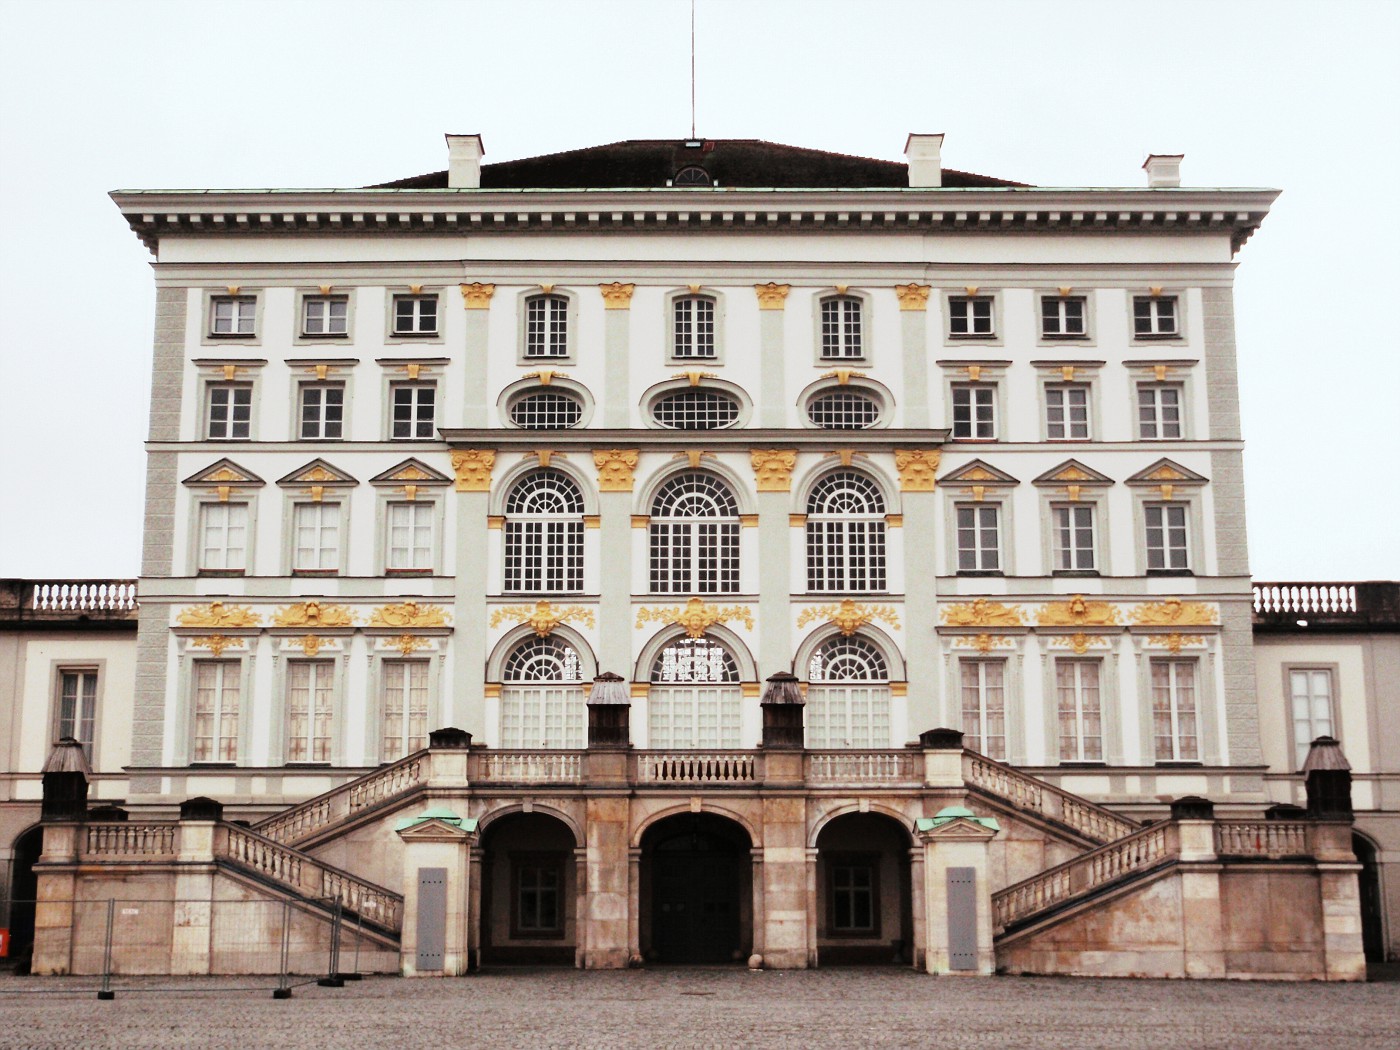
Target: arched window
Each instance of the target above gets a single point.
(845, 408)
(846, 534)
(542, 702)
(544, 534)
(694, 699)
(695, 410)
(694, 536)
(842, 328)
(546, 410)
(692, 176)
(848, 695)
(546, 326)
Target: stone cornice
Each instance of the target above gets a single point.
(153, 214)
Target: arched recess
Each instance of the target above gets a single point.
(738, 486)
(748, 668)
(864, 902)
(485, 821)
(894, 659)
(500, 652)
(846, 808)
(805, 482)
(23, 891)
(531, 887)
(695, 891)
(501, 487)
(1372, 901)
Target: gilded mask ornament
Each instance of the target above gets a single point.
(312, 613)
(1173, 611)
(543, 617)
(696, 616)
(1077, 612)
(981, 613)
(217, 614)
(848, 616)
(408, 614)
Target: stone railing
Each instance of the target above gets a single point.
(1327, 606)
(698, 767)
(1093, 822)
(316, 814)
(83, 595)
(884, 768)
(528, 767)
(122, 839)
(308, 877)
(1304, 598)
(1261, 838)
(1145, 849)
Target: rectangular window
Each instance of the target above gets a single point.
(537, 905)
(547, 326)
(410, 537)
(853, 895)
(1167, 549)
(412, 405)
(230, 411)
(1074, 538)
(1081, 719)
(77, 707)
(322, 412)
(1062, 317)
(1067, 412)
(216, 702)
(970, 315)
(405, 707)
(974, 412)
(1159, 411)
(984, 706)
(223, 537)
(325, 315)
(1310, 696)
(310, 685)
(415, 314)
(1154, 315)
(841, 329)
(979, 541)
(232, 314)
(316, 537)
(694, 328)
(1174, 710)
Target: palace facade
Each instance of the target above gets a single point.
(816, 558)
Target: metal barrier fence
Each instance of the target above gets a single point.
(121, 943)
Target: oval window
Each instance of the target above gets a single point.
(546, 410)
(844, 409)
(696, 410)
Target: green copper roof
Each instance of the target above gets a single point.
(436, 813)
(948, 814)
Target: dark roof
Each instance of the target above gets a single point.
(638, 163)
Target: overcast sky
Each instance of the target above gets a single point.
(1300, 96)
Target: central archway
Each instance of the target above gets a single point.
(697, 890)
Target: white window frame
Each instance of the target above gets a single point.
(320, 714)
(691, 329)
(539, 710)
(846, 549)
(980, 551)
(416, 387)
(321, 509)
(417, 317)
(1156, 316)
(678, 548)
(551, 346)
(79, 722)
(981, 410)
(848, 710)
(842, 328)
(967, 306)
(690, 709)
(1318, 713)
(1079, 706)
(225, 734)
(1062, 318)
(1163, 510)
(326, 305)
(421, 515)
(322, 387)
(397, 741)
(230, 422)
(1059, 401)
(1068, 521)
(976, 705)
(241, 321)
(544, 551)
(547, 393)
(1157, 408)
(207, 528)
(1170, 691)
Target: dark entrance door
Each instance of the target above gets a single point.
(696, 888)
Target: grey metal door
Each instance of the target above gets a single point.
(432, 918)
(962, 918)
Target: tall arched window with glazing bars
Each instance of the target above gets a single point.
(544, 535)
(542, 701)
(848, 695)
(694, 698)
(694, 536)
(846, 534)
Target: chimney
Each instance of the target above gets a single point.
(464, 153)
(1163, 170)
(925, 156)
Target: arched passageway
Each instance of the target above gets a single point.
(1369, 883)
(529, 891)
(863, 891)
(23, 890)
(696, 890)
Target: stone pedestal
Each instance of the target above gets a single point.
(1202, 917)
(784, 874)
(957, 894)
(56, 879)
(194, 894)
(1340, 889)
(606, 919)
(430, 845)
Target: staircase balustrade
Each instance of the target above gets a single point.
(138, 841)
(316, 814)
(1094, 822)
(1055, 886)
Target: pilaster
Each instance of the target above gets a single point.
(194, 896)
(476, 300)
(772, 400)
(56, 881)
(617, 320)
(913, 333)
(466, 705)
(922, 532)
(786, 945)
(606, 924)
(615, 479)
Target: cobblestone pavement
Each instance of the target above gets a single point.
(699, 1008)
